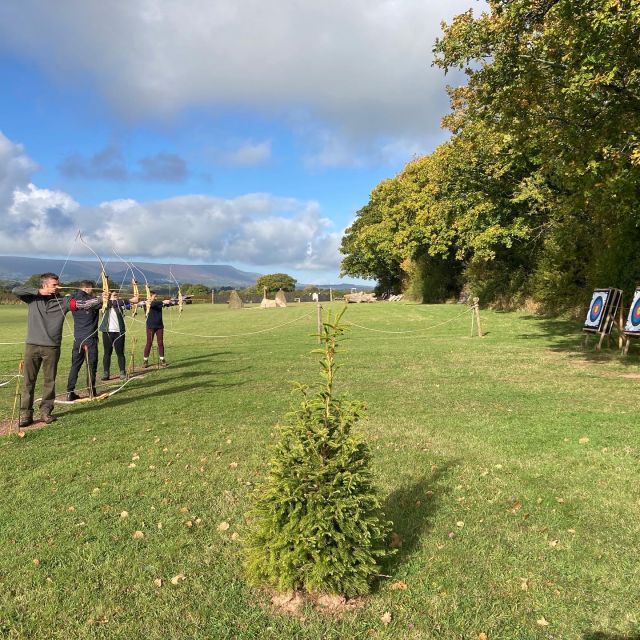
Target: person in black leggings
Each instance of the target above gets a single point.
(113, 331)
(155, 327)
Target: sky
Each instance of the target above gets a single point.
(237, 132)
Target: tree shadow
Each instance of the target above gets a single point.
(149, 394)
(567, 337)
(179, 363)
(604, 635)
(412, 508)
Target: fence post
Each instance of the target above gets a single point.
(476, 307)
(319, 323)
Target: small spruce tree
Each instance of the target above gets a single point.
(316, 523)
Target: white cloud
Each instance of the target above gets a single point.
(257, 229)
(360, 69)
(16, 169)
(248, 154)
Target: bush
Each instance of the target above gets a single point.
(316, 523)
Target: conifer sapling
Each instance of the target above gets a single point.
(316, 522)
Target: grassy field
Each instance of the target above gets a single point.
(509, 465)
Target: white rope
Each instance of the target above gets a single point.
(102, 396)
(410, 332)
(11, 379)
(235, 335)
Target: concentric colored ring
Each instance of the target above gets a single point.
(596, 309)
(634, 316)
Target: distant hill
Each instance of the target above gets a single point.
(213, 275)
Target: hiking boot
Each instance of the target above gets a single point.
(25, 420)
(72, 396)
(164, 363)
(47, 418)
(105, 376)
(145, 364)
(123, 375)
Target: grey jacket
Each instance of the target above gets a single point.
(46, 315)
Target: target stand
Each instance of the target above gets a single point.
(631, 327)
(605, 305)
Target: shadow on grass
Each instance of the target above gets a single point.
(567, 336)
(146, 393)
(412, 510)
(180, 363)
(603, 635)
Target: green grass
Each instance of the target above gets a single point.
(485, 432)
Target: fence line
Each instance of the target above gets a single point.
(422, 330)
(233, 335)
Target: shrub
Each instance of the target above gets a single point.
(316, 522)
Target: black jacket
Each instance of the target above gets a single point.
(85, 322)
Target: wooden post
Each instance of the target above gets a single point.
(17, 400)
(330, 294)
(132, 363)
(473, 320)
(86, 361)
(212, 297)
(620, 326)
(476, 307)
(319, 322)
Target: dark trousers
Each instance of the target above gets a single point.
(113, 340)
(35, 357)
(159, 334)
(78, 357)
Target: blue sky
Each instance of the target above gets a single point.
(230, 132)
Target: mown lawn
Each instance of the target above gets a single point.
(509, 465)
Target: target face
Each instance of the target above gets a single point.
(597, 308)
(633, 319)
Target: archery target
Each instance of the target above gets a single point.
(597, 309)
(633, 319)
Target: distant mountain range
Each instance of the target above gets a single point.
(212, 275)
(18, 269)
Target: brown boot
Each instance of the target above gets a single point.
(25, 420)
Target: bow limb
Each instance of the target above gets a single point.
(180, 296)
(134, 283)
(147, 290)
(103, 274)
(136, 294)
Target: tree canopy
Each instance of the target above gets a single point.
(275, 281)
(536, 192)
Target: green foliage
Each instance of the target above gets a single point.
(196, 290)
(536, 192)
(275, 281)
(33, 281)
(316, 523)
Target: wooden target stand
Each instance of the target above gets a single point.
(634, 311)
(612, 317)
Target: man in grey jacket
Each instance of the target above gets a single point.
(45, 321)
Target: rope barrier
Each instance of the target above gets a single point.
(10, 380)
(422, 330)
(233, 335)
(102, 396)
